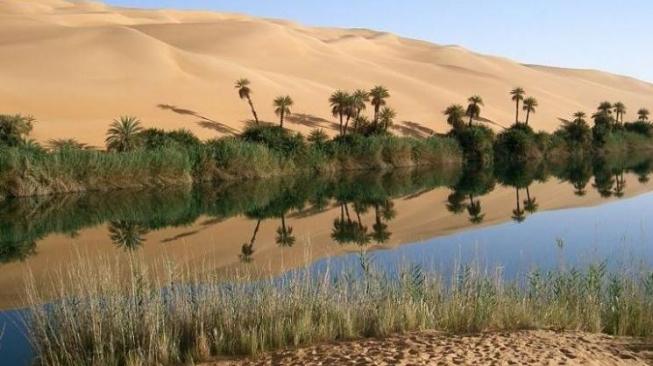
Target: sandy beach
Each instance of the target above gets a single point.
(433, 348)
(75, 66)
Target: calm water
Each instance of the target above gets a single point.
(515, 217)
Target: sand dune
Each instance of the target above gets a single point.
(77, 65)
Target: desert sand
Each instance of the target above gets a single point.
(75, 66)
(433, 348)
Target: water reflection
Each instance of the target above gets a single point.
(128, 235)
(364, 205)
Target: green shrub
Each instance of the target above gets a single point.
(644, 128)
(519, 142)
(275, 138)
(14, 129)
(156, 138)
(477, 143)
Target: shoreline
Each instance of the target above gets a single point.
(525, 347)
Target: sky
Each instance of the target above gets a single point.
(608, 35)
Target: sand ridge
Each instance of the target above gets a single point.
(434, 348)
(77, 65)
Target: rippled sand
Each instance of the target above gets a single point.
(434, 348)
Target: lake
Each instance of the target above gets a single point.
(517, 218)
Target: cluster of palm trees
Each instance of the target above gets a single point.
(348, 107)
(281, 104)
(529, 104)
(456, 113)
(618, 110)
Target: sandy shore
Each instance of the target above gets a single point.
(434, 348)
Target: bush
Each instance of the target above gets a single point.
(14, 129)
(641, 127)
(476, 143)
(156, 138)
(517, 143)
(275, 138)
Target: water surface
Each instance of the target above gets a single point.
(514, 217)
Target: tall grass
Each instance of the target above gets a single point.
(26, 172)
(124, 313)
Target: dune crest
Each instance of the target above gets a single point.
(76, 65)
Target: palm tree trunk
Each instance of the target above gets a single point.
(281, 121)
(258, 225)
(340, 113)
(517, 113)
(251, 105)
(528, 114)
(471, 118)
(376, 114)
(283, 222)
(518, 203)
(528, 194)
(346, 124)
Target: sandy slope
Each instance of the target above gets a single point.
(432, 348)
(76, 66)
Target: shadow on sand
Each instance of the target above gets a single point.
(311, 121)
(412, 129)
(204, 121)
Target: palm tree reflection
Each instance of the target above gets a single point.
(247, 249)
(127, 235)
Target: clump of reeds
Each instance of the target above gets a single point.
(121, 313)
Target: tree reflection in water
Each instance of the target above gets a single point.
(364, 203)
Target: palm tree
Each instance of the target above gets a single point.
(247, 250)
(360, 97)
(619, 111)
(476, 215)
(127, 234)
(456, 202)
(380, 231)
(579, 117)
(282, 107)
(530, 104)
(474, 108)
(339, 101)
(244, 92)
(285, 237)
(605, 108)
(386, 118)
(378, 94)
(530, 203)
(518, 214)
(123, 134)
(643, 114)
(350, 111)
(455, 114)
(517, 96)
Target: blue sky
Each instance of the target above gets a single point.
(601, 34)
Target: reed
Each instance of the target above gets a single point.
(128, 313)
